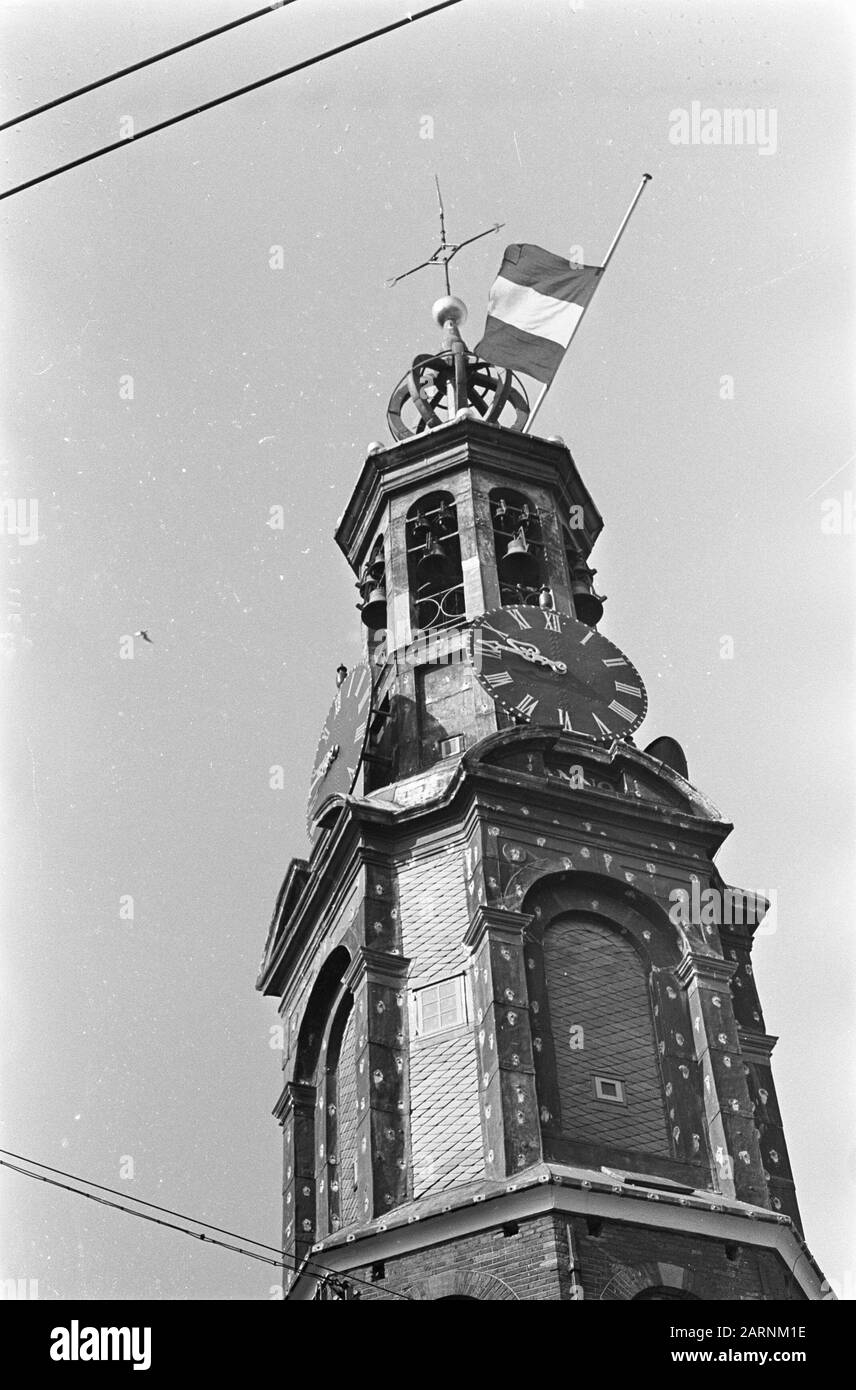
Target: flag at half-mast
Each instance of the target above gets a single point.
(535, 304)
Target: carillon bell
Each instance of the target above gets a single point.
(518, 565)
(433, 565)
(545, 597)
(587, 604)
(373, 611)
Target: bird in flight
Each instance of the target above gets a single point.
(145, 636)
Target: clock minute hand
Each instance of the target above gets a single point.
(324, 766)
(526, 650)
(531, 653)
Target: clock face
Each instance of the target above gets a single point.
(342, 741)
(546, 668)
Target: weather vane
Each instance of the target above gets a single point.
(445, 252)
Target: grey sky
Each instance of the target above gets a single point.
(254, 387)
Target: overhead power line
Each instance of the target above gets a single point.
(144, 1216)
(230, 96)
(127, 1196)
(144, 63)
(318, 1271)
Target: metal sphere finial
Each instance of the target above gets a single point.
(449, 309)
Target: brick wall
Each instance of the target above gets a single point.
(614, 1265)
(490, 1266)
(623, 1260)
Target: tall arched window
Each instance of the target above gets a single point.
(607, 1076)
(320, 1036)
(339, 1121)
(346, 1074)
(519, 546)
(434, 569)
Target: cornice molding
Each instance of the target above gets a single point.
(705, 969)
(380, 967)
(505, 926)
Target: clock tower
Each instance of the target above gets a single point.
(524, 1052)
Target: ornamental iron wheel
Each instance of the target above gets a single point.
(429, 396)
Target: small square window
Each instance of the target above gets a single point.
(439, 1007)
(609, 1088)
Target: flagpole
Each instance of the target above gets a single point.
(607, 258)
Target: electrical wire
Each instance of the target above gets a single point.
(144, 1216)
(229, 96)
(127, 1196)
(144, 63)
(322, 1271)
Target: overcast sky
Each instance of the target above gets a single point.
(255, 387)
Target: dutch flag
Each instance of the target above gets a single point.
(535, 304)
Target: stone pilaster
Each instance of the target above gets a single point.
(296, 1113)
(511, 1132)
(729, 1112)
(757, 1051)
(376, 979)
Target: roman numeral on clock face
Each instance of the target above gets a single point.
(614, 661)
(552, 622)
(627, 689)
(526, 705)
(604, 729)
(518, 618)
(497, 678)
(619, 709)
(565, 721)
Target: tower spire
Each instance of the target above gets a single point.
(515, 996)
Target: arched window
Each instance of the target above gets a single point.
(607, 1078)
(339, 1119)
(663, 1294)
(519, 546)
(321, 1035)
(434, 571)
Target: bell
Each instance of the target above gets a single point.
(433, 564)
(545, 597)
(373, 611)
(588, 605)
(518, 565)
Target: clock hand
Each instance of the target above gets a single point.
(531, 653)
(325, 765)
(526, 650)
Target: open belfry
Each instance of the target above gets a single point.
(524, 1053)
